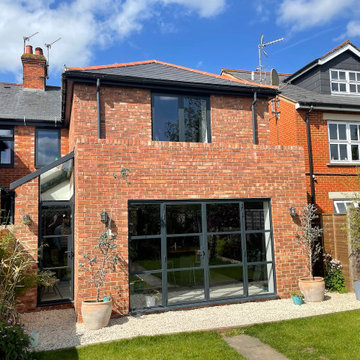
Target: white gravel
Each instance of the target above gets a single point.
(58, 328)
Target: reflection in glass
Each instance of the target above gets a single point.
(55, 220)
(165, 118)
(183, 252)
(226, 282)
(257, 216)
(260, 279)
(47, 147)
(5, 151)
(62, 288)
(145, 254)
(144, 219)
(183, 219)
(185, 286)
(57, 183)
(145, 291)
(223, 217)
(224, 249)
(54, 251)
(195, 119)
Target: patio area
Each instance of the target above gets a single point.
(58, 329)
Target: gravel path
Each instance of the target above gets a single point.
(58, 328)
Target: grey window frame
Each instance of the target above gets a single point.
(37, 129)
(181, 97)
(12, 150)
(204, 248)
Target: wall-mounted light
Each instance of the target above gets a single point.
(292, 211)
(26, 219)
(104, 217)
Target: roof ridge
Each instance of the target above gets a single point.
(8, 83)
(96, 67)
(346, 42)
(250, 71)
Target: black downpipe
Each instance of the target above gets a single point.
(253, 117)
(311, 169)
(98, 107)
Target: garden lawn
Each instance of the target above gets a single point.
(196, 345)
(325, 337)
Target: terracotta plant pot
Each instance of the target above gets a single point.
(96, 315)
(313, 290)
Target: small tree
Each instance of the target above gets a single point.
(308, 237)
(106, 261)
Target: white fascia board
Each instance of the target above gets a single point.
(330, 57)
(338, 52)
(327, 108)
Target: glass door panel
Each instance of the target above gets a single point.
(226, 282)
(56, 251)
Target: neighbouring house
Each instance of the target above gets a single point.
(318, 109)
(203, 216)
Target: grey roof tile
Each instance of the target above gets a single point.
(155, 70)
(302, 95)
(246, 75)
(17, 103)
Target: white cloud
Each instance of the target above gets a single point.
(83, 25)
(353, 28)
(305, 14)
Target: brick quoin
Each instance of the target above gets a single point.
(229, 167)
(291, 130)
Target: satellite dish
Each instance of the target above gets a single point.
(274, 77)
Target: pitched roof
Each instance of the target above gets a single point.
(306, 98)
(247, 75)
(17, 103)
(154, 70)
(345, 46)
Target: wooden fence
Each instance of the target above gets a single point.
(336, 243)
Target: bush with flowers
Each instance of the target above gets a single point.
(14, 341)
(334, 279)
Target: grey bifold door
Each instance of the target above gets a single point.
(185, 253)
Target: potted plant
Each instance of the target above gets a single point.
(151, 295)
(297, 297)
(313, 288)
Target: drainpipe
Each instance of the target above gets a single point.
(98, 107)
(253, 117)
(311, 169)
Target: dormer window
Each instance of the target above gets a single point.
(345, 82)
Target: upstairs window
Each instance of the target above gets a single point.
(47, 146)
(344, 142)
(6, 147)
(180, 118)
(345, 82)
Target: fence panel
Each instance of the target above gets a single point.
(336, 243)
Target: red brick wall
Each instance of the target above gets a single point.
(24, 153)
(27, 204)
(291, 129)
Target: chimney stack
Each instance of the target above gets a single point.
(34, 68)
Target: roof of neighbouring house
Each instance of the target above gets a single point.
(345, 46)
(252, 76)
(158, 72)
(17, 103)
(306, 98)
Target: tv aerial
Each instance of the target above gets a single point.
(27, 38)
(261, 48)
(48, 46)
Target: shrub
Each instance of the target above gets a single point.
(334, 279)
(17, 273)
(14, 342)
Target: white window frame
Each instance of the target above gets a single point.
(346, 81)
(348, 142)
(346, 203)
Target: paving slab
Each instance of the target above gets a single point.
(253, 349)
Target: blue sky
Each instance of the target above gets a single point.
(201, 34)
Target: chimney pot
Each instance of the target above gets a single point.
(38, 51)
(28, 49)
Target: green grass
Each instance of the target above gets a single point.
(325, 337)
(196, 345)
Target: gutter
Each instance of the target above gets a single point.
(253, 117)
(329, 108)
(311, 169)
